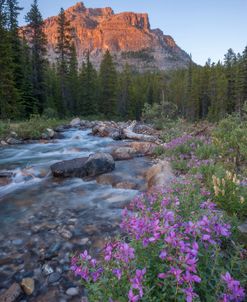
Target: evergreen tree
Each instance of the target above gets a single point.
(73, 80)
(108, 86)
(13, 10)
(124, 92)
(230, 65)
(63, 51)
(9, 95)
(38, 51)
(88, 88)
(29, 102)
(242, 87)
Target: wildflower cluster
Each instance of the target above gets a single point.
(230, 194)
(163, 256)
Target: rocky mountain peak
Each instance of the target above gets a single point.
(127, 35)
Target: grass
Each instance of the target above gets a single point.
(30, 129)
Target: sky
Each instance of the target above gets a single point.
(203, 28)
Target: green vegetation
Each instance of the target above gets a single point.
(30, 129)
(29, 84)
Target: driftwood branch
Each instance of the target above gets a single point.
(130, 134)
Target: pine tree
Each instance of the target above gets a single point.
(13, 10)
(108, 86)
(242, 87)
(9, 95)
(73, 81)
(230, 66)
(38, 51)
(124, 92)
(88, 88)
(63, 51)
(29, 102)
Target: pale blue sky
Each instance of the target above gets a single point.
(204, 28)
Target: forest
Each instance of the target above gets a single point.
(30, 84)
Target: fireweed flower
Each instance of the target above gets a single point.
(234, 292)
(154, 224)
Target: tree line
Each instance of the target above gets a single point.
(29, 84)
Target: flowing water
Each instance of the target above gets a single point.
(43, 220)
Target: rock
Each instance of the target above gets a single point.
(117, 135)
(70, 168)
(123, 153)
(95, 164)
(83, 241)
(243, 228)
(5, 178)
(11, 294)
(66, 234)
(13, 141)
(50, 132)
(126, 185)
(72, 291)
(17, 241)
(47, 269)
(27, 285)
(99, 163)
(61, 128)
(105, 129)
(159, 174)
(144, 148)
(13, 134)
(54, 277)
(3, 143)
(75, 122)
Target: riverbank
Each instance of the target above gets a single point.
(185, 241)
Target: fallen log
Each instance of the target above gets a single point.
(130, 134)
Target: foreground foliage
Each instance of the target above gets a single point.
(177, 245)
(176, 249)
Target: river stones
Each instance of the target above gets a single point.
(95, 164)
(72, 291)
(11, 294)
(27, 285)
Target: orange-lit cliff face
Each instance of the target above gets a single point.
(127, 35)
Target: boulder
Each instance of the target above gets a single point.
(105, 129)
(159, 174)
(99, 163)
(94, 165)
(144, 148)
(11, 294)
(123, 153)
(3, 143)
(50, 132)
(75, 122)
(70, 168)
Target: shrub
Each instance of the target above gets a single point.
(231, 140)
(230, 195)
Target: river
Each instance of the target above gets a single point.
(44, 220)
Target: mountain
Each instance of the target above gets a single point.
(128, 36)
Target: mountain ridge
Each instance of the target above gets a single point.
(127, 35)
